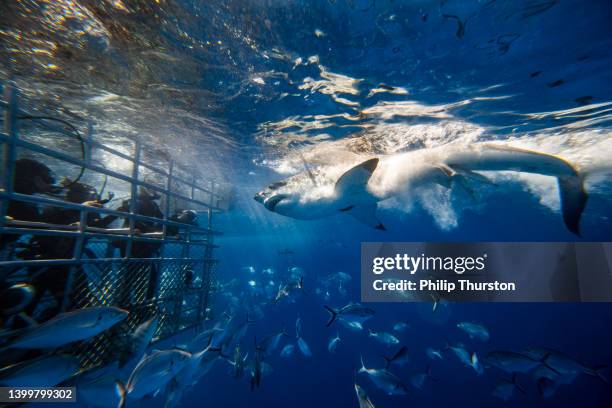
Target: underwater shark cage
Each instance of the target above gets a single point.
(152, 264)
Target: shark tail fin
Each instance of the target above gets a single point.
(333, 315)
(121, 392)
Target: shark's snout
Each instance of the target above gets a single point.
(273, 201)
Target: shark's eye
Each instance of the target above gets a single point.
(277, 185)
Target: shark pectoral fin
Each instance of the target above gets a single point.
(448, 177)
(366, 213)
(355, 180)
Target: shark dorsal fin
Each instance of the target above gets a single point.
(356, 179)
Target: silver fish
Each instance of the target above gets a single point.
(188, 375)
(185, 377)
(385, 380)
(467, 358)
(304, 348)
(301, 343)
(333, 343)
(350, 312)
(152, 373)
(385, 338)
(433, 353)
(69, 327)
(139, 341)
(234, 333)
(476, 365)
(354, 326)
(475, 330)
(287, 289)
(287, 351)
(362, 397)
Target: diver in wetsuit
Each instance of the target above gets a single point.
(54, 278)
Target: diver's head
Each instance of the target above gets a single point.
(186, 216)
(79, 192)
(147, 194)
(31, 177)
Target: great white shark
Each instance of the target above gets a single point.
(357, 190)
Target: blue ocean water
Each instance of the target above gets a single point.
(256, 91)
(510, 53)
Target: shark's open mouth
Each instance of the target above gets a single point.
(271, 202)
